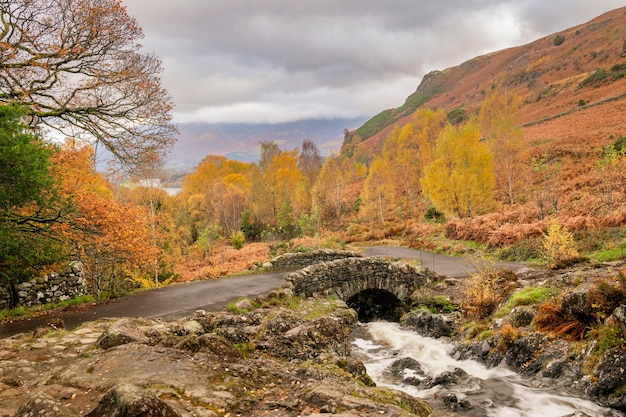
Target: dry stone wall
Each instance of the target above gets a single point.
(50, 288)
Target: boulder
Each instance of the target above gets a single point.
(41, 404)
(618, 317)
(398, 366)
(192, 327)
(244, 305)
(120, 333)
(431, 325)
(523, 316)
(127, 400)
(610, 375)
(449, 377)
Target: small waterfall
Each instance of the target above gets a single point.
(421, 366)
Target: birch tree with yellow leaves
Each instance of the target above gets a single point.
(459, 182)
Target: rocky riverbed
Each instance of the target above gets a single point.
(573, 341)
(272, 356)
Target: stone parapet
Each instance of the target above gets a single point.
(302, 259)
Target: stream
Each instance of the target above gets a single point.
(475, 391)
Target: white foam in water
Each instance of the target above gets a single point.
(510, 397)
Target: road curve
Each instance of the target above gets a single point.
(169, 303)
(176, 301)
(451, 266)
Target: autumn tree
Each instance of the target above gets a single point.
(427, 125)
(214, 196)
(611, 172)
(331, 198)
(392, 188)
(310, 162)
(78, 68)
(269, 150)
(460, 180)
(547, 175)
(229, 199)
(145, 192)
(275, 191)
(159, 209)
(375, 196)
(498, 120)
(111, 238)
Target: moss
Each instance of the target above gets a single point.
(524, 297)
(614, 254)
(321, 308)
(485, 334)
(435, 304)
(404, 401)
(246, 348)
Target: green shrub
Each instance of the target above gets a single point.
(558, 40)
(597, 77)
(237, 240)
(436, 304)
(434, 215)
(620, 144)
(523, 250)
(618, 70)
(457, 116)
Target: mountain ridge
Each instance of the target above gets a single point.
(241, 141)
(554, 75)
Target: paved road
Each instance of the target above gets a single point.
(168, 303)
(177, 301)
(451, 266)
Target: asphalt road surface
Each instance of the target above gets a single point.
(169, 303)
(176, 301)
(451, 266)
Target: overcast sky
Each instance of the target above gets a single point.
(284, 60)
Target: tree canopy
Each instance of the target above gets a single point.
(26, 188)
(77, 66)
(460, 180)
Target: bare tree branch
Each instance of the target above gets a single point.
(78, 66)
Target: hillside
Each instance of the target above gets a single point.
(572, 82)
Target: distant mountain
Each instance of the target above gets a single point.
(241, 141)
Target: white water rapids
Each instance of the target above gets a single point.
(497, 392)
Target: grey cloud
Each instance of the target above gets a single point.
(226, 54)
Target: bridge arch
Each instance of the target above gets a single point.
(359, 279)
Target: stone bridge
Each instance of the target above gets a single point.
(376, 288)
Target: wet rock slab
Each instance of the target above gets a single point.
(272, 360)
